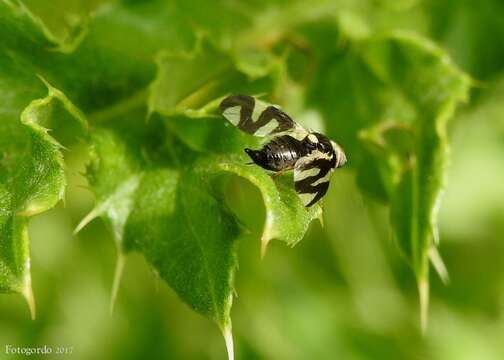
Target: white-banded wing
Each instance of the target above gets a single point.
(258, 118)
(312, 174)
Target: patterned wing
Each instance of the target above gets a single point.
(312, 174)
(258, 118)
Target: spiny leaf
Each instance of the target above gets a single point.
(160, 191)
(109, 62)
(434, 86)
(171, 214)
(403, 89)
(286, 218)
(31, 161)
(31, 174)
(73, 62)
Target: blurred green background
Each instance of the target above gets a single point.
(344, 292)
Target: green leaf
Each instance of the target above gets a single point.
(286, 219)
(191, 81)
(391, 97)
(472, 35)
(190, 239)
(434, 86)
(103, 80)
(170, 213)
(32, 171)
(162, 203)
(110, 62)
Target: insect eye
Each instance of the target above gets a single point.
(310, 144)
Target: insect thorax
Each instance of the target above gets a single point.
(281, 153)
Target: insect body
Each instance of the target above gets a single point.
(312, 156)
(280, 154)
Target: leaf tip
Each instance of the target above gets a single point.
(423, 293)
(320, 218)
(438, 264)
(267, 233)
(86, 220)
(27, 293)
(228, 338)
(55, 93)
(121, 259)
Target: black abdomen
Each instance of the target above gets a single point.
(281, 153)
